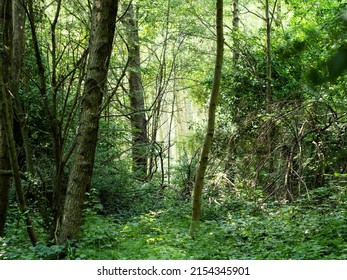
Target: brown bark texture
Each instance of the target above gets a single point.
(136, 96)
(5, 17)
(6, 108)
(103, 27)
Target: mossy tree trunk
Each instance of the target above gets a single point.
(137, 104)
(101, 41)
(203, 162)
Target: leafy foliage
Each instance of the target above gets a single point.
(276, 182)
(312, 228)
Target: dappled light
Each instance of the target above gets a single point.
(173, 130)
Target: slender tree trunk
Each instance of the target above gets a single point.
(4, 155)
(171, 127)
(278, 14)
(4, 179)
(161, 85)
(5, 107)
(103, 27)
(137, 104)
(202, 165)
(19, 20)
(18, 35)
(236, 56)
(270, 126)
(268, 51)
(50, 105)
(5, 35)
(236, 26)
(7, 122)
(17, 54)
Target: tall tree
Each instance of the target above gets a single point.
(14, 55)
(101, 41)
(203, 161)
(268, 51)
(5, 35)
(236, 27)
(4, 179)
(17, 55)
(59, 77)
(6, 108)
(137, 103)
(270, 126)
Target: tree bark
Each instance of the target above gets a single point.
(103, 27)
(5, 108)
(236, 26)
(5, 35)
(270, 126)
(17, 54)
(49, 103)
(137, 103)
(203, 162)
(4, 179)
(268, 52)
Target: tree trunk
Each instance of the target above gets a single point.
(103, 27)
(17, 54)
(5, 35)
(4, 179)
(5, 108)
(270, 125)
(162, 80)
(236, 56)
(202, 165)
(137, 104)
(268, 51)
(236, 26)
(49, 104)
(17, 46)
(278, 14)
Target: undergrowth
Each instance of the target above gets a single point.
(314, 227)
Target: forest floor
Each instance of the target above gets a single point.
(314, 227)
